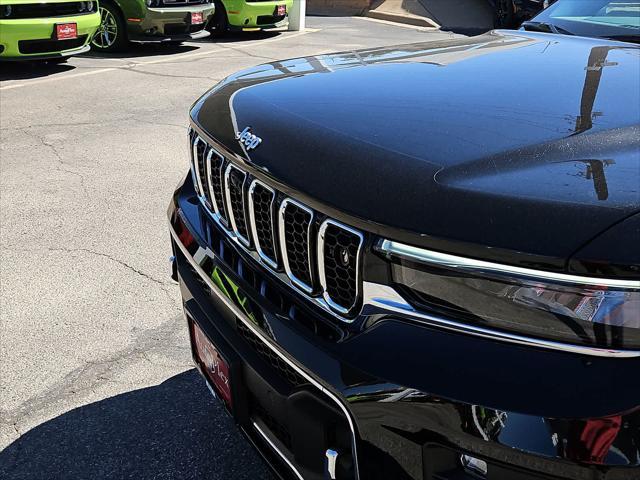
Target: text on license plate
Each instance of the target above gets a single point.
(65, 31)
(214, 366)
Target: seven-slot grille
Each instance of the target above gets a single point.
(319, 259)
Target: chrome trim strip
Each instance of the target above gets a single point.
(321, 269)
(379, 297)
(196, 164)
(277, 450)
(283, 244)
(230, 214)
(479, 267)
(251, 326)
(271, 262)
(214, 202)
(194, 177)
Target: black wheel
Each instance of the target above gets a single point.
(218, 25)
(504, 14)
(112, 34)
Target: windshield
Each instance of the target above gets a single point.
(618, 20)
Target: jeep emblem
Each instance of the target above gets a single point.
(248, 139)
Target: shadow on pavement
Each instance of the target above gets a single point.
(135, 50)
(172, 430)
(231, 37)
(25, 70)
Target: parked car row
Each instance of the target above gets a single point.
(56, 29)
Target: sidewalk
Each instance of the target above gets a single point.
(458, 15)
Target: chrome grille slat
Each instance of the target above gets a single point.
(295, 225)
(234, 181)
(262, 220)
(215, 173)
(198, 163)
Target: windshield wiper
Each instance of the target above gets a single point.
(544, 27)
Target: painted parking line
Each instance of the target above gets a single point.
(174, 58)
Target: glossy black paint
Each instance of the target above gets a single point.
(413, 391)
(514, 146)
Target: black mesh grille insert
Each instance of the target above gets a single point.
(262, 199)
(283, 368)
(216, 171)
(340, 255)
(199, 151)
(236, 198)
(297, 222)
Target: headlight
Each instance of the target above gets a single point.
(6, 10)
(89, 6)
(153, 3)
(600, 313)
(81, 7)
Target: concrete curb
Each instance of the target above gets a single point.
(407, 19)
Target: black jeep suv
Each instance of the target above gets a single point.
(422, 262)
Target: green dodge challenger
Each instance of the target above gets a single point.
(150, 21)
(34, 29)
(249, 15)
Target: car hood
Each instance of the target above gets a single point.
(514, 141)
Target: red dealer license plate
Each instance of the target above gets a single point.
(213, 365)
(281, 10)
(65, 31)
(196, 18)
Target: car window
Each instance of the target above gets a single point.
(599, 18)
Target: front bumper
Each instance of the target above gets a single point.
(412, 400)
(169, 24)
(242, 14)
(37, 34)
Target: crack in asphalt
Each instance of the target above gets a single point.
(248, 54)
(62, 165)
(167, 75)
(164, 285)
(163, 341)
(161, 124)
(68, 124)
(136, 118)
(110, 257)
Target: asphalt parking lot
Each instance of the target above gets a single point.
(95, 370)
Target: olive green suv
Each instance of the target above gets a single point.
(154, 21)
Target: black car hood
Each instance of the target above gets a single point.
(511, 140)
